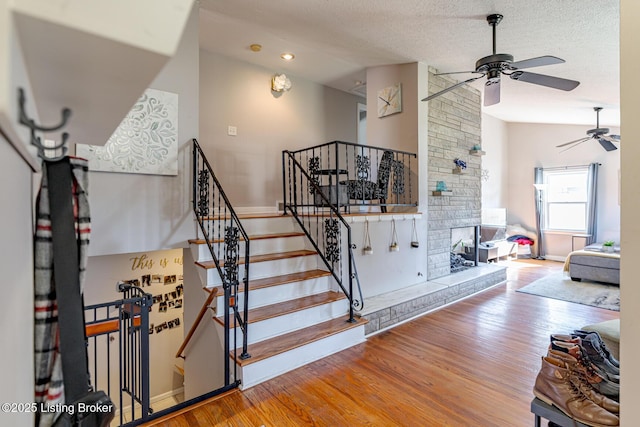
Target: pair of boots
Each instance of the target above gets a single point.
(596, 350)
(569, 384)
(603, 373)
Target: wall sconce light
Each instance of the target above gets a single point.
(280, 83)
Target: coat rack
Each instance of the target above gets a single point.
(35, 140)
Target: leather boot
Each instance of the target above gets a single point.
(582, 380)
(590, 344)
(580, 353)
(554, 386)
(603, 346)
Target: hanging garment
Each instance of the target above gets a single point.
(49, 381)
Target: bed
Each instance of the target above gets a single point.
(593, 264)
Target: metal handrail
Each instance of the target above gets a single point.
(334, 265)
(216, 213)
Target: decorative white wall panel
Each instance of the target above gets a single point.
(146, 141)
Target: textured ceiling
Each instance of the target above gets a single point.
(336, 40)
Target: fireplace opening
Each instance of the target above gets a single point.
(464, 252)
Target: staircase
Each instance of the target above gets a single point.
(296, 314)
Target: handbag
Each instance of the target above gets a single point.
(89, 408)
(92, 410)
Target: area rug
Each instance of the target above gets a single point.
(559, 286)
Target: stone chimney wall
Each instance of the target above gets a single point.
(454, 126)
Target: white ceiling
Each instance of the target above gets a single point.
(336, 40)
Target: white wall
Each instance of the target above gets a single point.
(629, 289)
(495, 141)
(397, 131)
(236, 93)
(16, 263)
(134, 213)
(103, 272)
(534, 145)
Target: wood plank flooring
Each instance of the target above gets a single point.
(470, 364)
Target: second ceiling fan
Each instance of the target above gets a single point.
(599, 134)
(493, 66)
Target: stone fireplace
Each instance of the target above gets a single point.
(464, 248)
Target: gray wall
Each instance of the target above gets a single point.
(136, 213)
(236, 93)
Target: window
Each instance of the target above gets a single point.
(565, 199)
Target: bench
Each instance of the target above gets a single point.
(593, 264)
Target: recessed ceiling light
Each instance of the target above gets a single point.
(287, 56)
(256, 47)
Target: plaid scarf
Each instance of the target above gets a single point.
(49, 383)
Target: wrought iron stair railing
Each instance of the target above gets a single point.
(326, 228)
(223, 232)
(353, 175)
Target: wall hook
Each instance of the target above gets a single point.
(36, 140)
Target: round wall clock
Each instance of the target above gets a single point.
(390, 100)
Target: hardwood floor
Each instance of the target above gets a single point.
(470, 364)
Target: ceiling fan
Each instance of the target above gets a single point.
(494, 65)
(599, 134)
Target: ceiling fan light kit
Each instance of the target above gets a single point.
(497, 64)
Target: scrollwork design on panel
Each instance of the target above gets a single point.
(231, 257)
(332, 236)
(146, 141)
(363, 166)
(203, 189)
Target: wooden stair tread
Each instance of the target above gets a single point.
(283, 343)
(291, 306)
(254, 237)
(267, 282)
(255, 215)
(263, 257)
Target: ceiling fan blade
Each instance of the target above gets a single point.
(491, 93)
(607, 145)
(575, 145)
(544, 80)
(536, 62)
(610, 138)
(430, 97)
(573, 142)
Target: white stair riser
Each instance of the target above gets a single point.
(265, 225)
(255, 373)
(275, 294)
(259, 331)
(259, 270)
(257, 247)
